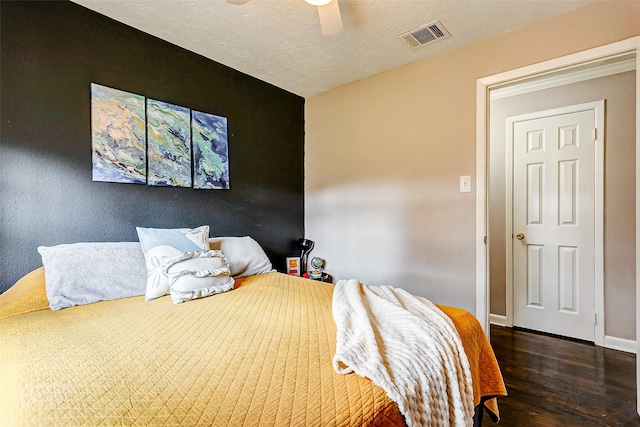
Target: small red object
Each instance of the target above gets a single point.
(305, 275)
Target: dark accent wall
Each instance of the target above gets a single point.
(51, 52)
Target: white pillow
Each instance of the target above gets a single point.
(195, 275)
(244, 255)
(84, 273)
(160, 244)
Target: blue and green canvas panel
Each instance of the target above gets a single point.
(168, 144)
(210, 151)
(117, 136)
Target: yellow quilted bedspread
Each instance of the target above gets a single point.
(258, 355)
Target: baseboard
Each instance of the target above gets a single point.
(498, 319)
(622, 344)
(614, 343)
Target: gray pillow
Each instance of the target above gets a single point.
(244, 255)
(84, 273)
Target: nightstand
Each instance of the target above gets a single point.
(326, 277)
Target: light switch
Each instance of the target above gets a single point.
(465, 184)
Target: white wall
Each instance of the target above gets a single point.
(383, 156)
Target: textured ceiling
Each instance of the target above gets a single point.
(279, 41)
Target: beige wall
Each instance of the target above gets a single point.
(619, 189)
(383, 156)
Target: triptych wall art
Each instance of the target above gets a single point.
(138, 140)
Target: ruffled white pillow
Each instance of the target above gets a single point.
(195, 275)
(160, 244)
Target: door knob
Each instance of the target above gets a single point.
(520, 236)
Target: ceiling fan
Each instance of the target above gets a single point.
(328, 12)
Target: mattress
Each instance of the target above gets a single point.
(260, 354)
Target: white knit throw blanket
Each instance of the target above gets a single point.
(406, 346)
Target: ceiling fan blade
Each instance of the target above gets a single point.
(330, 18)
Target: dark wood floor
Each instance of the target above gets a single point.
(558, 382)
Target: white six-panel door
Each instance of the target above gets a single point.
(553, 222)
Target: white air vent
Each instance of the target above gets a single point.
(424, 35)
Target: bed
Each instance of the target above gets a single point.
(260, 354)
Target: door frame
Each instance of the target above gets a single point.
(483, 86)
(599, 108)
